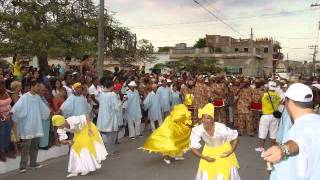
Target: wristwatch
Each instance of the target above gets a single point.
(285, 151)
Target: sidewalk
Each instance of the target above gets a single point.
(43, 155)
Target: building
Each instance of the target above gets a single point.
(243, 56)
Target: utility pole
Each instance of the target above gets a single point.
(251, 42)
(100, 62)
(314, 58)
(314, 47)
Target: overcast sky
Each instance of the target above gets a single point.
(166, 22)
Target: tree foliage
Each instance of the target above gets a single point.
(56, 28)
(201, 43)
(194, 65)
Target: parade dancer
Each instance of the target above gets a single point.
(172, 138)
(76, 104)
(133, 110)
(87, 148)
(109, 120)
(218, 160)
(151, 104)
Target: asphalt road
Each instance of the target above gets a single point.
(134, 164)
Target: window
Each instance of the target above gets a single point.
(246, 49)
(266, 50)
(236, 49)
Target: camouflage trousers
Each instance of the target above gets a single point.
(220, 115)
(255, 115)
(245, 123)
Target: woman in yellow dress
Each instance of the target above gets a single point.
(87, 148)
(172, 138)
(218, 160)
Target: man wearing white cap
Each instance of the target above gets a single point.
(133, 110)
(298, 156)
(268, 123)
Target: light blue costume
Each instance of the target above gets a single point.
(176, 99)
(29, 112)
(108, 121)
(132, 105)
(109, 108)
(284, 126)
(44, 140)
(151, 104)
(304, 166)
(133, 113)
(165, 95)
(75, 106)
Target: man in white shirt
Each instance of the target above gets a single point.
(298, 156)
(94, 90)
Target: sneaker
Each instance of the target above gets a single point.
(141, 136)
(84, 173)
(22, 170)
(132, 138)
(72, 175)
(259, 149)
(180, 158)
(167, 161)
(37, 166)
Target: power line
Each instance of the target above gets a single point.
(218, 18)
(209, 21)
(219, 12)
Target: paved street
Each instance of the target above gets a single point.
(134, 164)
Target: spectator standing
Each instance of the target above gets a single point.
(28, 113)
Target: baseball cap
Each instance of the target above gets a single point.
(299, 92)
(272, 85)
(132, 83)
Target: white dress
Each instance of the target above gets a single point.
(222, 135)
(86, 152)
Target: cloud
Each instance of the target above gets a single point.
(156, 12)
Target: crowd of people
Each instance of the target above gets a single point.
(124, 100)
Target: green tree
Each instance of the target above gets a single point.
(165, 49)
(145, 51)
(55, 28)
(201, 43)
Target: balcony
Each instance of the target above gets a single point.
(277, 56)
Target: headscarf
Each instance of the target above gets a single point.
(76, 85)
(208, 109)
(58, 120)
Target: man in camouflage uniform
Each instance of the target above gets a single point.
(257, 93)
(235, 90)
(243, 109)
(219, 92)
(198, 93)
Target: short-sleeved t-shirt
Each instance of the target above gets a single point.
(306, 165)
(266, 103)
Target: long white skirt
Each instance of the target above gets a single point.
(85, 161)
(234, 175)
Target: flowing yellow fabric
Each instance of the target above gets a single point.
(221, 166)
(82, 139)
(172, 138)
(58, 120)
(208, 109)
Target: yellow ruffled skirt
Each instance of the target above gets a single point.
(82, 139)
(172, 138)
(86, 152)
(221, 166)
